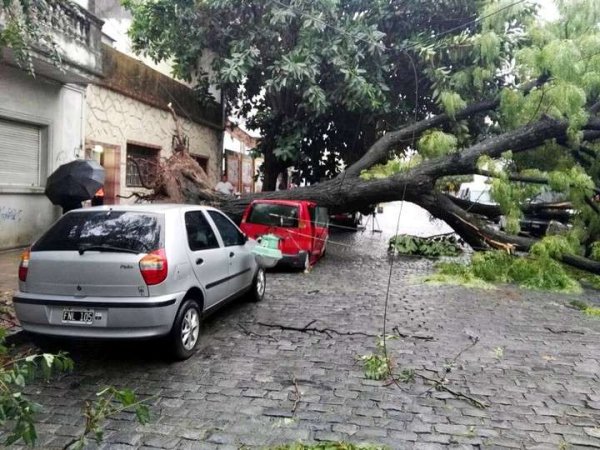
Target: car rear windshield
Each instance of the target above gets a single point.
(274, 215)
(140, 232)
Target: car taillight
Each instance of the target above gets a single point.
(24, 265)
(154, 267)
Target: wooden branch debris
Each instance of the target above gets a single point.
(439, 385)
(248, 332)
(180, 145)
(308, 329)
(553, 331)
(297, 394)
(412, 336)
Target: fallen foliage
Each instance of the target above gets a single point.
(431, 247)
(539, 272)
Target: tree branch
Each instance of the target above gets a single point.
(379, 151)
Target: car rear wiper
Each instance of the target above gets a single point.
(106, 248)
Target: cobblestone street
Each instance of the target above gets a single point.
(537, 365)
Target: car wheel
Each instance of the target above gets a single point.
(257, 292)
(185, 334)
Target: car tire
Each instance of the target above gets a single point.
(259, 285)
(185, 333)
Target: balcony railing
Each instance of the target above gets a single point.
(76, 33)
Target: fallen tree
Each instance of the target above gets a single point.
(536, 132)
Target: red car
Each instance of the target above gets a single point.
(302, 226)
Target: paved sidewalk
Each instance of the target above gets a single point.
(9, 269)
(537, 365)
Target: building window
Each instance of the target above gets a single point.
(202, 161)
(142, 165)
(22, 152)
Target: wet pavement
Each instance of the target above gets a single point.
(535, 365)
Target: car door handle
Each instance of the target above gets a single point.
(199, 261)
(231, 254)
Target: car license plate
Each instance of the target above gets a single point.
(82, 316)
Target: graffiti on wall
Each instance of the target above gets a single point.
(8, 214)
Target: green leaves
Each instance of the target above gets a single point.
(489, 46)
(452, 102)
(377, 365)
(538, 272)
(392, 167)
(428, 247)
(434, 143)
(16, 410)
(110, 402)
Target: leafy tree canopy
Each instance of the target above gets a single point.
(320, 79)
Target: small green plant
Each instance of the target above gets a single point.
(592, 311)
(578, 304)
(377, 365)
(406, 376)
(499, 353)
(17, 412)
(111, 401)
(431, 247)
(563, 445)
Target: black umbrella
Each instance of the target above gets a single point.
(74, 182)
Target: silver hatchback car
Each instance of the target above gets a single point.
(135, 272)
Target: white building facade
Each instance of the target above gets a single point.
(42, 122)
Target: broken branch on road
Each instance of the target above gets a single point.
(308, 329)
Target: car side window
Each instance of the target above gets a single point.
(322, 217)
(200, 234)
(230, 234)
(313, 216)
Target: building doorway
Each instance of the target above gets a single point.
(109, 157)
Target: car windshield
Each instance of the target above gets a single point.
(274, 215)
(124, 230)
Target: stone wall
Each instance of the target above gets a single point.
(115, 119)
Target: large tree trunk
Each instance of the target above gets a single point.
(349, 192)
(271, 170)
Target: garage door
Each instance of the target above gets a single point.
(20, 146)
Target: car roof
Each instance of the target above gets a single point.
(284, 202)
(148, 207)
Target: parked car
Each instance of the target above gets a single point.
(544, 209)
(346, 221)
(302, 226)
(135, 272)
